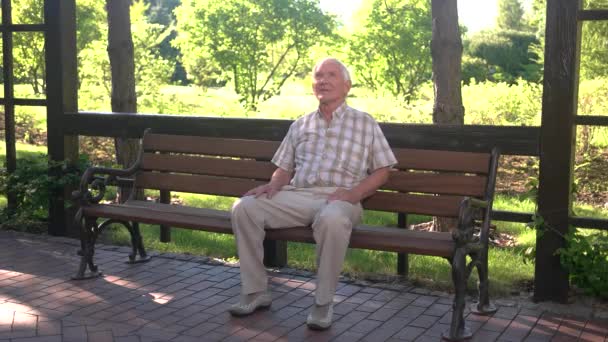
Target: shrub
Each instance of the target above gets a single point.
(586, 258)
(33, 186)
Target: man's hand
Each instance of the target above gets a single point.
(279, 178)
(345, 195)
(268, 189)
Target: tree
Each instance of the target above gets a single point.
(391, 50)
(446, 52)
(510, 15)
(257, 44)
(120, 51)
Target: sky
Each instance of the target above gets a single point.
(474, 14)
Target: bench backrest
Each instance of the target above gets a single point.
(426, 182)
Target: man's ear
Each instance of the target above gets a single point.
(347, 85)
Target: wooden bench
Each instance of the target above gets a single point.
(439, 183)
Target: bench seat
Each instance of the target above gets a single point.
(218, 221)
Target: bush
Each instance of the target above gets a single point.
(586, 258)
(33, 187)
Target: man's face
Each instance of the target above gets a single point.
(328, 83)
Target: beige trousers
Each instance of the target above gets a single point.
(331, 223)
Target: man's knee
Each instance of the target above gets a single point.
(334, 222)
(243, 205)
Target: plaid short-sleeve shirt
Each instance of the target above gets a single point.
(339, 154)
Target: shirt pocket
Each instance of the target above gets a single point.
(354, 159)
(306, 146)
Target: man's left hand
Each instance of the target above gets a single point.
(344, 195)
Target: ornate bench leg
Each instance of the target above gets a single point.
(458, 331)
(483, 306)
(89, 231)
(137, 245)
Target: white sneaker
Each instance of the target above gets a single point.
(320, 317)
(246, 306)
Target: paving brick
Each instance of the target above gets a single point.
(101, 336)
(496, 324)
(49, 328)
(75, 333)
(386, 330)
(409, 333)
(519, 329)
(424, 321)
(56, 338)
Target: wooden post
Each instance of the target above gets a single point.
(165, 231)
(557, 143)
(402, 258)
(9, 104)
(62, 97)
(275, 253)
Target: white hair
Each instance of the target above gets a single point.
(345, 72)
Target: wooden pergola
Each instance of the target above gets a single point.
(553, 142)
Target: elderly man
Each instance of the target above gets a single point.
(328, 162)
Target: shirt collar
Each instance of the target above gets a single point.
(338, 113)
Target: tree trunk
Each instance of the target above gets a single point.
(446, 51)
(122, 65)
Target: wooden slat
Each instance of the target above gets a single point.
(208, 166)
(196, 184)
(445, 206)
(257, 149)
(442, 160)
(434, 183)
(159, 213)
(218, 221)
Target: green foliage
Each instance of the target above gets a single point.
(586, 259)
(33, 186)
(510, 14)
(151, 69)
(28, 49)
(258, 44)
(489, 103)
(594, 49)
(391, 51)
(473, 68)
(508, 53)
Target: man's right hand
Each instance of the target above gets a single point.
(269, 189)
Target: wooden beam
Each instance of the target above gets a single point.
(22, 27)
(557, 141)
(62, 85)
(24, 102)
(512, 140)
(591, 120)
(593, 15)
(589, 222)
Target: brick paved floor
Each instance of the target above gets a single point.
(169, 299)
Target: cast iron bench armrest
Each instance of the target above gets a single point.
(469, 207)
(92, 180)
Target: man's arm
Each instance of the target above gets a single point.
(279, 178)
(366, 188)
